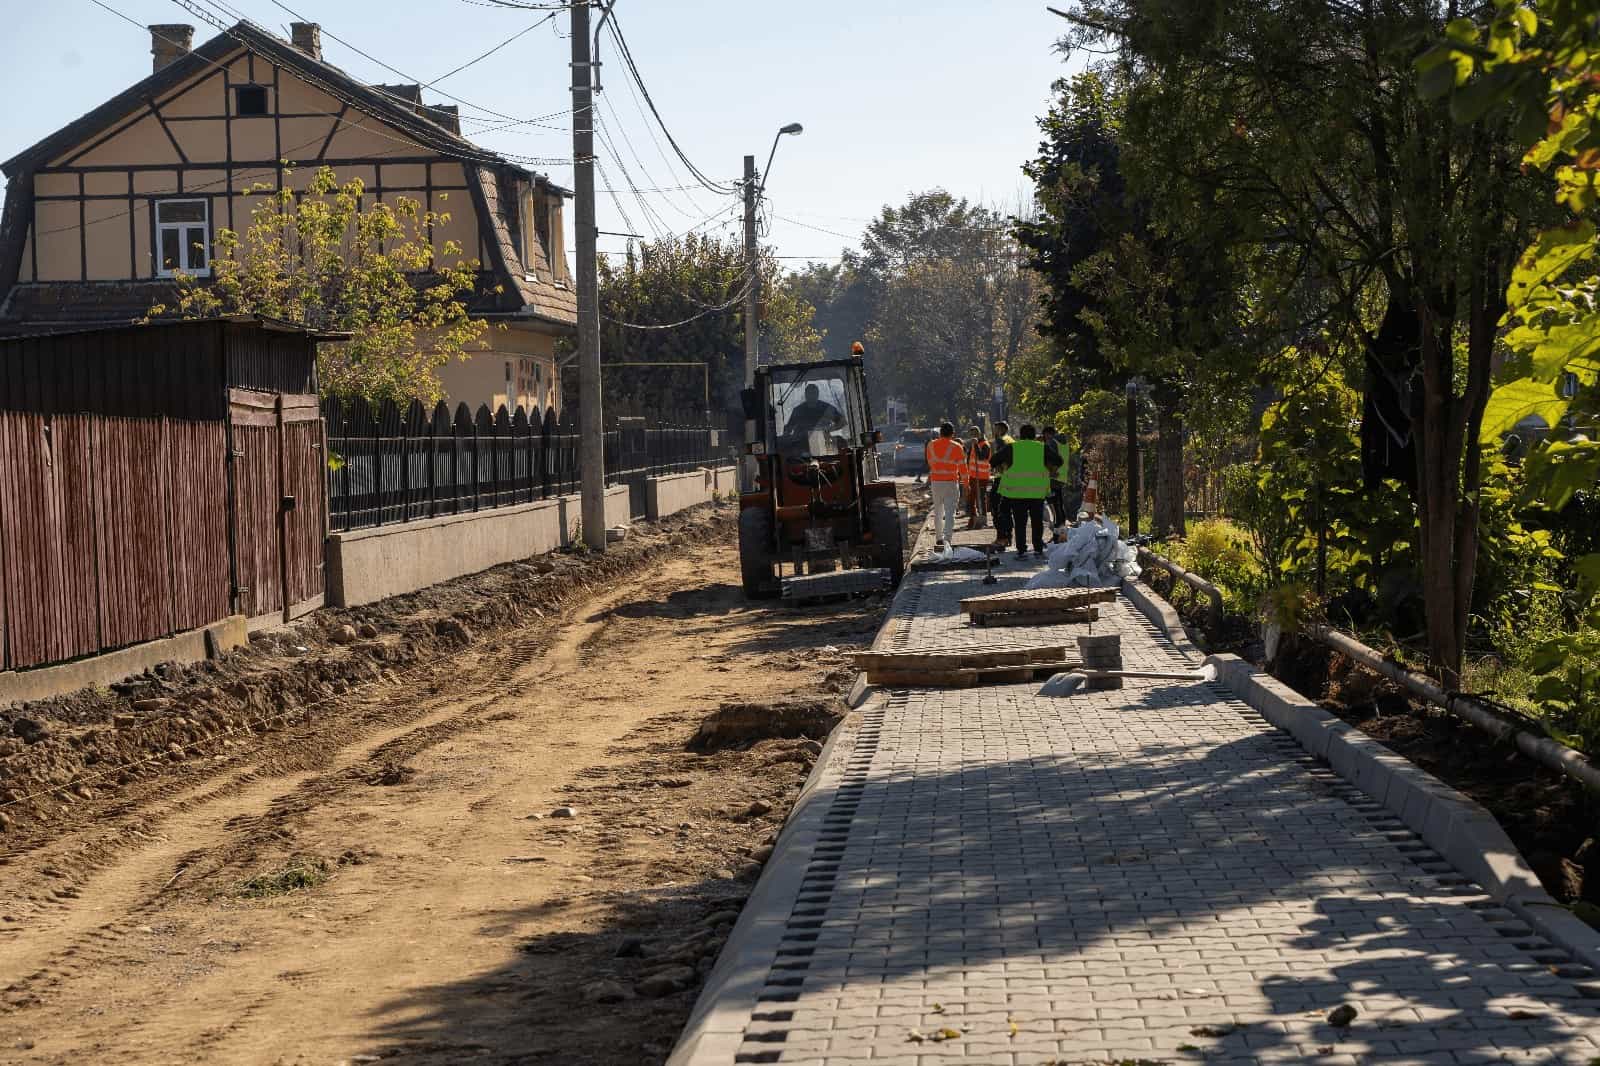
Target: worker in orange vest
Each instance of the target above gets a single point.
(978, 453)
(947, 474)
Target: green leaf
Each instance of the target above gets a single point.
(1548, 258)
(1515, 400)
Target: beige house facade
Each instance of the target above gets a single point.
(100, 216)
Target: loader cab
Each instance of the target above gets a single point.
(814, 409)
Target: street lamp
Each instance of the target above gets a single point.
(752, 282)
(793, 128)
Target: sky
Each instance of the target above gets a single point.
(896, 96)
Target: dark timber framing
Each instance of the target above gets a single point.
(217, 176)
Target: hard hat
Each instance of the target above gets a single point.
(857, 349)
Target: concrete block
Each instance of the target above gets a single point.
(24, 686)
(227, 635)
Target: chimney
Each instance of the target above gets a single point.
(170, 42)
(307, 37)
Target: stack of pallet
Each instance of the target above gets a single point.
(1037, 607)
(961, 669)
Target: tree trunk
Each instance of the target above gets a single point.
(1168, 517)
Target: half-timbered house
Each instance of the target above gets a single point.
(101, 214)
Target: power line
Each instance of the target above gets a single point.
(633, 70)
(409, 77)
(490, 52)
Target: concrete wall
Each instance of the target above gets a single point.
(373, 564)
(22, 686)
(672, 493)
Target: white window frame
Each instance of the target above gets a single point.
(184, 249)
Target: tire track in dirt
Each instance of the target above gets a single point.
(58, 927)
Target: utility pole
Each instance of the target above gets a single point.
(1133, 458)
(752, 305)
(591, 445)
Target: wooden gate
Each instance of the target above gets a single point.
(279, 504)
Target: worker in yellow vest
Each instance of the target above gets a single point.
(1025, 484)
(978, 469)
(947, 474)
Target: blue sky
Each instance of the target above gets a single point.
(896, 96)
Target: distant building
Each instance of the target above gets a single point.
(100, 214)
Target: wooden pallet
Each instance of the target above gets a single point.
(967, 678)
(956, 658)
(1035, 600)
(1058, 617)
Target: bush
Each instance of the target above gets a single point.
(1217, 550)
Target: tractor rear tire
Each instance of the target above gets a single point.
(888, 537)
(756, 555)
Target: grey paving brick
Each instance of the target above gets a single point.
(1113, 871)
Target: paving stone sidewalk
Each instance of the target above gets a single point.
(1151, 874)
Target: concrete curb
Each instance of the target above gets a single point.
(1161, 614)
(1458, 828)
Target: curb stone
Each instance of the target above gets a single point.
(1457, 827)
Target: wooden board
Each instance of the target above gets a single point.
(956, 659)
(991, 675)
(1041, 618)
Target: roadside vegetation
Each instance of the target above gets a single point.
(1345, 257)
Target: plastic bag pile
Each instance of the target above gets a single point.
(1092, 556)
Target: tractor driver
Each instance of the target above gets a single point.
(813, 413)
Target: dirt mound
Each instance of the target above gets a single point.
(59, 752)
(738, 726)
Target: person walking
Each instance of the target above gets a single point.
(947, 473)
(978, 470)
(1025, 484)
(1058, 479)
(997, 507)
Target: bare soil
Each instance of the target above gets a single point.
(396, 874)
(1552, 821)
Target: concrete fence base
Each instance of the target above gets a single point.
(43, 682)
(367, 565)
(672, 493)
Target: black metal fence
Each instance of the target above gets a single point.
(391, 465)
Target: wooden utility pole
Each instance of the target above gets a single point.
(752, 305)
(591, 445)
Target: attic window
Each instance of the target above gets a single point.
(249, 100)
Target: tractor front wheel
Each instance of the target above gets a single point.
(888, 537)
(757, 558)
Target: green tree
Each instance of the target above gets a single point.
(1139, 283)
(1301, 120)
(327, 259)
(682, 302)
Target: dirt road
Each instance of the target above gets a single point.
(413, 892)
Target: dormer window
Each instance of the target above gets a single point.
(249, 100)
(183, 235)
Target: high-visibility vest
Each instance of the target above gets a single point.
(1026, 478)
(979, 459)
(947, 460)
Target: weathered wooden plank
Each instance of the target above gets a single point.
(1041, 618)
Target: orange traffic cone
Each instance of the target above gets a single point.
(1091, 498)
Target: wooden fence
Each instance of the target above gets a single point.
(390, 465)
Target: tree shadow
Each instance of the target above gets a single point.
(1117, 886)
